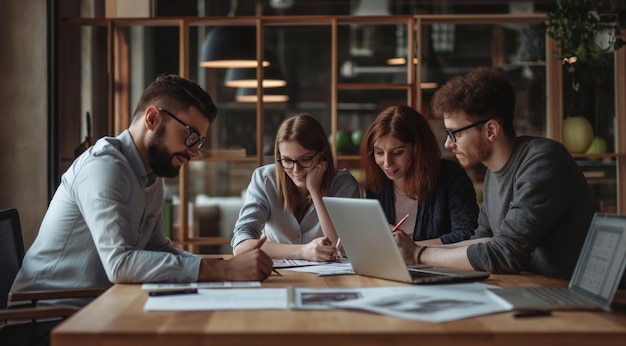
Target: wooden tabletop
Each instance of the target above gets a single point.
(117, 318)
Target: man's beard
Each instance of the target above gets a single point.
(159, 158)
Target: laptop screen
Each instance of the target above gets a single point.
(602, 259)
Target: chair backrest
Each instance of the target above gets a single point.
(11, 251)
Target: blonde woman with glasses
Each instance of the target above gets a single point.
(284, 200)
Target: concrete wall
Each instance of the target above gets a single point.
(23, 112)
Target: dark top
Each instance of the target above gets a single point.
(536, 209)
(449, 212)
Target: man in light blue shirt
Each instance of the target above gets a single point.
(104, 223)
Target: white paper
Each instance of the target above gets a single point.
(222, 299)
(288, 263)
(341, 267)
(217, 284)
(432, 303)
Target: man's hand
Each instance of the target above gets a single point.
(319, 249)
(251, 265)
(406, 245)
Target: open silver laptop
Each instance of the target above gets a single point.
(595, 279)
(372, 250)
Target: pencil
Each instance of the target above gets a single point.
(395, 228)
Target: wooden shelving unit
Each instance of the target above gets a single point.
(118, 62)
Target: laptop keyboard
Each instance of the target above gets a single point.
(555, 296)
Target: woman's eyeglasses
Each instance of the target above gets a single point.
(303, 162)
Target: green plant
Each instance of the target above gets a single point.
(575, 24)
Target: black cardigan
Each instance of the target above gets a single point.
(449, 212)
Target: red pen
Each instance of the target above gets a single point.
(395, 228)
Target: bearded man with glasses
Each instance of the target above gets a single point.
(537, 205)
(104, 223)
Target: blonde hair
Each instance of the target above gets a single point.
(306, 130)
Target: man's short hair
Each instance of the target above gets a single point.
(481, 94)
(176, 94)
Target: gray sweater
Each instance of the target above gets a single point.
(537, 209)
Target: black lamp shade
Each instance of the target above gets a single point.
(247, 95)
(230, 46)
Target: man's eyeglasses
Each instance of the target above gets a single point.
(303, 162)
(193, 137)
(452, 133)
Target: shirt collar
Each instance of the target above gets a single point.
(134, 159)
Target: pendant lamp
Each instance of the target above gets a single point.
(271, 95)
(246, 77)
(230, 46)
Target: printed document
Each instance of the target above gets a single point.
(341, 267)
(288, 263)
(432, 303)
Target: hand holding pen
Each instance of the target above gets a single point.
(397, 226)
(258, 246)
(338, 254)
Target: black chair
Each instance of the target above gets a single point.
(24, 304)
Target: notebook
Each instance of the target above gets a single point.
(596, 277)
(372, 250)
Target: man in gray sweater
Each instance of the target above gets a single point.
(537, 204)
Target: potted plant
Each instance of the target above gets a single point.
(585, 31)
(577, 24)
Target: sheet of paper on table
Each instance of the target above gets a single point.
(341, 267)
(431, 303)
(222, 299)
(183, 285)
(288, 263)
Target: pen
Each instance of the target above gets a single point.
(532, 313)
(173, 292)
(395, 228)
(338, 253)
(276, 272)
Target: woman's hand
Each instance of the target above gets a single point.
(314, 177)
(319, 249)
(406, 245)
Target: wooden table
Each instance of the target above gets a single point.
(117, 318)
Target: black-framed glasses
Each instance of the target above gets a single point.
(193, 137)
(452, 133)
(303, 162)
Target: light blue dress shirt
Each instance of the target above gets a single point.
(104, 226)
(262, 211)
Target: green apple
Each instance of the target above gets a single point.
(598, 146)
(357, 137)
(577, 134)
(343, 140)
